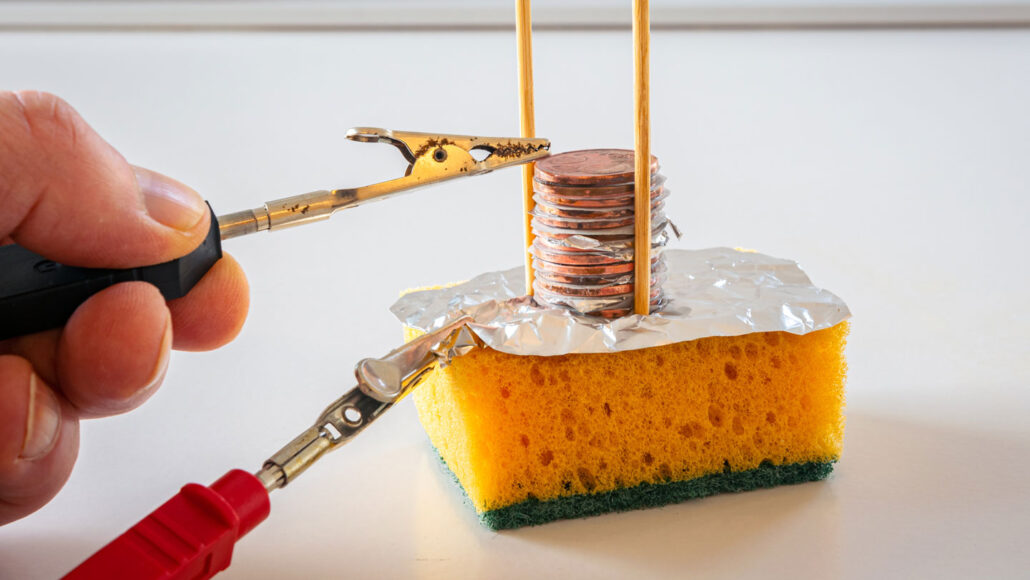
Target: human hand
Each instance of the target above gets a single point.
(68, 195)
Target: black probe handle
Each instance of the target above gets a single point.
(37, 294)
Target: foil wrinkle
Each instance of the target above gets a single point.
(710, 292)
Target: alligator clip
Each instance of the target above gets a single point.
(193, 534)
(381, 383)
(432, 158)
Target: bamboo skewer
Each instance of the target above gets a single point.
(524, 32)
(642, 148)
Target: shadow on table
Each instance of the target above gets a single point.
(700, 536)
(894, 476)
(907, 500)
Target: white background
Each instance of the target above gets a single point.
(893, 165)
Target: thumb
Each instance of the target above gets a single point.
(67, 194)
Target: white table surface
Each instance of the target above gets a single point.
(895, 166)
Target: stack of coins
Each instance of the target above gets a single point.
(583, 223)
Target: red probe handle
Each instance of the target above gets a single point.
(191, 536)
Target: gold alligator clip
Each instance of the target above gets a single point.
(432, 158)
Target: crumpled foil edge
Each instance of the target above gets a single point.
(710, 292)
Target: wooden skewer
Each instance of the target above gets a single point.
(642, 148)
(524, 32)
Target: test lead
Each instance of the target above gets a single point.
(37, 294)
(192, 535)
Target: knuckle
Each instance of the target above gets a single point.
(38, 132)
(45, 116)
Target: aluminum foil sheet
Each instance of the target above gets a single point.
(710, 292)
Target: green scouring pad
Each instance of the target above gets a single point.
(532, 511)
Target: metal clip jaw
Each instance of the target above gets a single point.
(432, 158)
(498, 151)
(381, 383)
(390, 378)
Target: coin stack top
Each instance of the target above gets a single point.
(583, 223)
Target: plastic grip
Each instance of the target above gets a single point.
(38, 294)
(191, 536)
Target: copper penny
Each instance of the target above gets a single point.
(569, 224)
(556, 278)
(656, 305)
(655, 294)
(553, 247)
(591, 194)
(560, 281)
(558, 211)
(592, 202)
(571, 258)
(587, 292)
(559, 240)
(591, 304)
(658, 274)
(579, 270)
(621, 250)
(602, 238)
(589, 167)
(578, 258)
(595, 213)
(592, 224)
(586, 269)
(583, 304)
(595, 191)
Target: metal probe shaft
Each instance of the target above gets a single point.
(289, 211)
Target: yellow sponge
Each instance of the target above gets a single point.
(524, 433)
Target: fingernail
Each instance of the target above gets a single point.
(44, 421)
(161, 367)
(168, 201)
